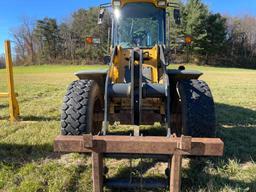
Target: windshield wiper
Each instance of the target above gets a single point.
(131, 30)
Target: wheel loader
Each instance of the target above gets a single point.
(138, 88)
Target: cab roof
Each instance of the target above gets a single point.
(155, 2)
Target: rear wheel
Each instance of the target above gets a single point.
(194, 109)
(82, 111)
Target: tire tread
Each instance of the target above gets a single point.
(75, 108)
(198, 111)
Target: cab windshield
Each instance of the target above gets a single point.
(139, 25)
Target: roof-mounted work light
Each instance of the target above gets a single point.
(162, 3)
(116, 3)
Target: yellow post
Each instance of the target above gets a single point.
(13, 103)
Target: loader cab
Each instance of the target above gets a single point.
(138, 25)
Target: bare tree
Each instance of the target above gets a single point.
(24, 41)
(248, 25)
(242, 40)
(2, 61)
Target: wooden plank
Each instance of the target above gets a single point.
(185, 143)
(139, 145)
(175, 179)
(70, 144)
(207, 147)
(88, 141)
(97, 172)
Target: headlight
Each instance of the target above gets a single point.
(117, 13)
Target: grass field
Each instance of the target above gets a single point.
(27, 161)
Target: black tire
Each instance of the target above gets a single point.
(197, 117)
(176, 122)
(82, 109)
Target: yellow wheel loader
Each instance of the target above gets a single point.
(139, 89)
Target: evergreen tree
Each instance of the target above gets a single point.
(85, 24)
(47, 34)
(214, 39)
(194, 15)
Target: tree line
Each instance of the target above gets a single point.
(2, 61)
(217, 39)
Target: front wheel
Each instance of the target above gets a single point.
(82, 111)
(193, 109)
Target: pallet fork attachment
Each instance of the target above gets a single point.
(173, 147)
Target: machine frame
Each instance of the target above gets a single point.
(136, 101)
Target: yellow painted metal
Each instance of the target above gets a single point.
(153, 62)
(121, 62)
(4, 95)
(11, 95)
(155, 2)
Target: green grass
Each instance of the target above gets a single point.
(28, 163)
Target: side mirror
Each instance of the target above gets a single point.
(177, 17)
(101, 16)
(106, 59)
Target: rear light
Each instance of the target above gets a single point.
(92, 40)
(188, 39)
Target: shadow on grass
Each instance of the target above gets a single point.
(195, 178)
(142, 167)
(28, 163)
(39, 118)
(2, 106)
(237, 127)
(4, 117)
(32, 118)
(20, 154)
